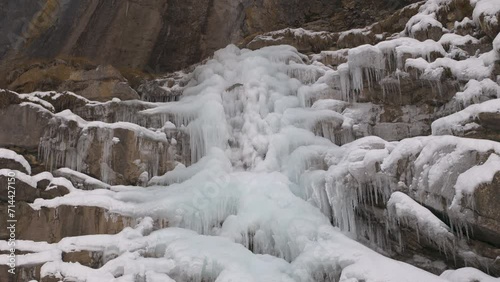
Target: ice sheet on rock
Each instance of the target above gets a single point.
(215, 159)
(406, 211)
(457, 40)
(465, 70)
(11, 155)
(474, 177)
(437, 163)
(70, 116)
(463, 121)
(365, 62)
(308, 119)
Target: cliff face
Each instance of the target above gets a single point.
(163, 35)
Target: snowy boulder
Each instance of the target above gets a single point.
(11, 160)
(423, 27)
(25, 186)
(61, 100)
(52, 187)
(476, 121)
(429, 175)
(482, 182)
(435, 169)
(29, 188)
(487, 15)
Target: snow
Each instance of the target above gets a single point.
(421, 22)
(55, 95)
(496, 44)
(478, 175)
(35, 100)
(407, 212)
(471, 68)
(477, 92)
(489, 10)
(464, 23)
(11, 155)
(70, 116)
(467, 274)
(20, 176)
(457, 40)
(88, 180)
(459, 122)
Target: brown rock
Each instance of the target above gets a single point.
(86, 258)
(12, 165)
(23, 191)
(153, 34)
(51, 225)
(101, 83)
(22, 125)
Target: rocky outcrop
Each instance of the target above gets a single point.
(402, 223)
(23, 125)
(100, 83)
(149, 34)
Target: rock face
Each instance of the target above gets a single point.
(101, 83)
(154, 33)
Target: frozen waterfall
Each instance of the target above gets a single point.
(253, 206)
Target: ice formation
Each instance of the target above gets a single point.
(257, 203)
(278, 172)
(238, 197)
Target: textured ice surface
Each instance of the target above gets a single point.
(243, 212)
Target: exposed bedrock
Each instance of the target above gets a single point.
(155, 33)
